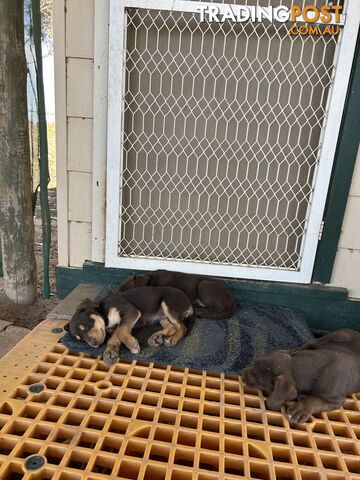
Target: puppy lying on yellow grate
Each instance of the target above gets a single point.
(313, 378)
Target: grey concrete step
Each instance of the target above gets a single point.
(66, 308)
(10, 336)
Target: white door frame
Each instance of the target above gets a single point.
(336, 100)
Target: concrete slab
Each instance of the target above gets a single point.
(4, 324)
(10, 337)
(66, 308)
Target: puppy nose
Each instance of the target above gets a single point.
(94, 342)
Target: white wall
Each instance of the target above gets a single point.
(346, 271)
(74, 68)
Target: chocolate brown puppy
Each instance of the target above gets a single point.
(315, 377)
(209, 296)
(122, 311)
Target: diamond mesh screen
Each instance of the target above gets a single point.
(222, 129)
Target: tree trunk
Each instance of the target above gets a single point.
(16, 219)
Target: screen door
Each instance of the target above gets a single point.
(221, 139)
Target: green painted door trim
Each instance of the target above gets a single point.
(324, 307)
(342, 173)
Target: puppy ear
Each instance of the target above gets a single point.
(134, 281)
(66, 327)
(142, 280)
(128, 283)
(86, 304)
(284, 390)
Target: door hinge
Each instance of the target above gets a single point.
(321, 229)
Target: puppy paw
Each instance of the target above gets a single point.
(297, 412)
(156, 339)
(170, 341)
(110, 356)
(134, 347)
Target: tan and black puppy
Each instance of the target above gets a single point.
(122, 311)
(209, 296)
(315, 377)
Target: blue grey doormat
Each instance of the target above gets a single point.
(219, 345)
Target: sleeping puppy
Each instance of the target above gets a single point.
(315, 377)
(122, 311)
(209, 296)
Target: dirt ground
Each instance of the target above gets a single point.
(29, 316)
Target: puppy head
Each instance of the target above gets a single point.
(272, 374)
(259, 375)
(87, 324)
(134, 281)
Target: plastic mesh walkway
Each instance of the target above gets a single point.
(67, 416)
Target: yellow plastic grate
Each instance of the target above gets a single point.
(144, 421)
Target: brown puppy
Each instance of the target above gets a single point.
(209, 296)
(319, 375)
(123, 310)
